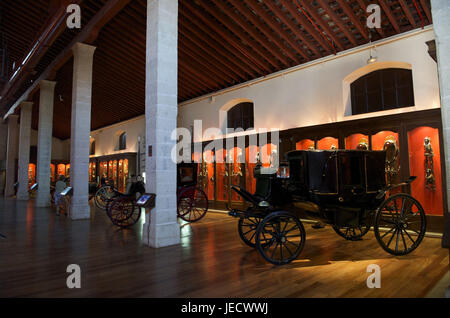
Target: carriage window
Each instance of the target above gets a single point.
(382, 90)
(241, 116)
(123, 141)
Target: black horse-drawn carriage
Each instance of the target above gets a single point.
(344, 188)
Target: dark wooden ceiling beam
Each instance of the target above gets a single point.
(356, 22)
(204, 66)
(225, 36)
(426, 9)
(275, 47)
(264, 29)
(308, 26)
(277, 28)
(387, 10)
(225, 52)
(223, 63)
(294, 28)
(203, 56)
(261, 56)
(309, 9)
(333, 16)
(407, 13)
(82, 36)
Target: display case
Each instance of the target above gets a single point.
(389, 142)
(328, 143)
(357, 141)
(305, 144)
(425, 163)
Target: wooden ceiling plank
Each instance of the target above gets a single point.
(277, 27)
(203, 56)
(425, 7)
(301, 20)
(356, 22)
(318, 19)
(224, 52)
(407, 13)
(282, 16)
(264, 29)
(275, 47)
(261, 57)
(387, 10)
(337, 20)
(238, 54)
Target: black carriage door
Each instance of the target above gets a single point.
(352, 181)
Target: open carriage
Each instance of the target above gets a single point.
(192, 202)
(344, 188)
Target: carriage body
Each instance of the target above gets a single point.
(344, 188)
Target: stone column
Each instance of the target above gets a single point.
(83, 56)
(161, 227)
(440, 12)
(44, 142)
(24, 149)
(11, 154)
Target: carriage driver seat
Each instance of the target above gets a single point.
(263, 186)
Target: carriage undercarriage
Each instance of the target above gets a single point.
(273, 224)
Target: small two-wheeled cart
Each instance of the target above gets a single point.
(192, 201)
(344, 188)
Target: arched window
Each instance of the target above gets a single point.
(92, 147)
(241, 116)
(123, 141)
(382, 90)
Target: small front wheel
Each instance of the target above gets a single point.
(280, 237)
(192, 204)
(400, 224)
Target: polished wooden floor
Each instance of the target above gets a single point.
(210, 262)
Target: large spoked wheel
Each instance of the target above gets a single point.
(192, 204)
(400, 224)
(247, 229)
(280, 237)
(352, 233)
(102, 196)
(124, 213)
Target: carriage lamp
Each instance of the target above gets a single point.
(263, 204)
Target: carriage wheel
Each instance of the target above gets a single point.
(280, 237)
(124, 213)
(352, 233)
(247, 229)
(404, 223)
(102, 196)
(192, 205)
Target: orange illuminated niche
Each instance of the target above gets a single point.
(31, 174)
(328, 143)
(357, 141)
(429, 196)
(305, 144)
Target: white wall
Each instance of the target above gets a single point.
(106, 139)
(315, 93)
(60, 148)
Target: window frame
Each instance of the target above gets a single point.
(376, 86)
(241, 115)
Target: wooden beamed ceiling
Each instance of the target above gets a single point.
(221, 43)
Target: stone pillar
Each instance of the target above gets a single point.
(83, 56)
(441, 24)
(44, 142)
(11, 154)
(161, 227)
(24, 149)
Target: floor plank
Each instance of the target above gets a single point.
(210, 262)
